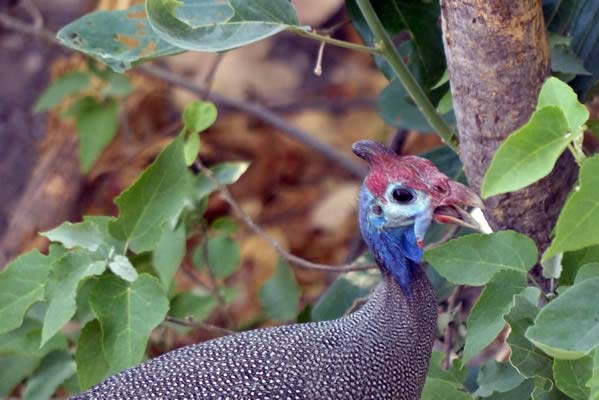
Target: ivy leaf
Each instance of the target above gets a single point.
(127, 313)
(568, 327)
(92, 366)
(67, 85)
(226, 173)
(435, 389)
(571, 376)
(56, 368)
(122, 267)
(343, 293)
(280, 295)
(496, 377)
(66, 276)
(169, 253)
(97, 123)
(529, 153)
(474, 259)
(156, 197)
(22, 283)
(578, 222)
(557, 93)
(487, 317)
(211, 25)
(85, 235)
(119, 39)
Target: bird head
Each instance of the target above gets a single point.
(400, 198)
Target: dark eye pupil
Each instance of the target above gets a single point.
(377, 210)
(402, 195)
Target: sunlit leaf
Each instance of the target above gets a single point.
(474, 259)
(127, 313)
(578, 222)
(226, 173)
(122, 267)
(156, 197)
(557, 93)
(571, 376)
(529, 153)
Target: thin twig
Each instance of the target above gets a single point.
(257, 229)
(254, 109)
(190, 323)
(335, 42)
(209, 78)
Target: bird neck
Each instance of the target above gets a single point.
(397, 255)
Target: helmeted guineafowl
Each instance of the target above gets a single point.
(379, 352)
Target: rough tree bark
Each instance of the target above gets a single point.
(498, 57)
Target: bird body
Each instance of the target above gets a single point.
(379, 352)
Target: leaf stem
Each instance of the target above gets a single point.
(579, 156)
(405, 76)
(335, 42)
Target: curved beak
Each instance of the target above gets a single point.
(452, 207)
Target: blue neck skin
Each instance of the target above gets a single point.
(395, 250)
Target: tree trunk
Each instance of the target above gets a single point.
(498, 57)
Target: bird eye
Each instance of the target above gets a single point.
(402, 195)
(376, 209)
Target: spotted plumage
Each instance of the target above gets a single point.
(379, 352)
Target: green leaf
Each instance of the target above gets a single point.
(189, 304)
(127, 313)
(169, 253)
(223, 256)
(474, 259)
(119, 39)
(56, 368)
(574, 260)
(587, 271)
(280, 295)
(199, 116)
(563, 58)
(396, 108)
(66, 276)
(22, 283)
(226, 225)
(97, 123)
(455, 374)
(85, 235)
(593, 382)
(191, 148)
(92, 366)
(156, 197)
(14, 370)
(118, 85)
(25, 341)
(571, 376)
(557, 93)
(420, 18)
(578, 222)
(212, 25)
(525, 357)
(486, 320)
(495, 377)
(522, 391)
(122, 267)
(552, 267)
(435, 389)
(226, 173)
(529, 153)
(568, 327)
(339, 298)
(67, 85)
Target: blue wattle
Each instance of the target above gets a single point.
(395, 250)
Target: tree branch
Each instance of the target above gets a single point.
(405, 76)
